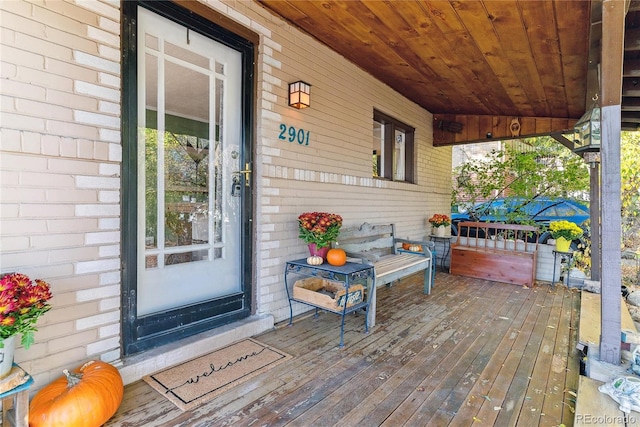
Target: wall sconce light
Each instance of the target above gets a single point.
(299, 94)
(586, 132)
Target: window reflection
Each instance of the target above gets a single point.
(180, 158)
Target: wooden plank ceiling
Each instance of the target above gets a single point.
(486, 69)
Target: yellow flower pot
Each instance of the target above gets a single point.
(562, 244)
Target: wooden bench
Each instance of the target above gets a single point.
(378, 245)
(495, 251)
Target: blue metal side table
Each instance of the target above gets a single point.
(15, 404)
(347, 275)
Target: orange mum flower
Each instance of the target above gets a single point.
(22, 302)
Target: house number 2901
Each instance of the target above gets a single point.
(292, 134)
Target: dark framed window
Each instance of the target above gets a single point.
(393, 148)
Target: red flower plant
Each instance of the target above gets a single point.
(438, 220)
(320, 228)
(22, 302)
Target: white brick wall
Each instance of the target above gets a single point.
(61, 153)
(333, 173)
(60, 177)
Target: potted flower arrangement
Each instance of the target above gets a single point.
(22, 302)
(564, 232)
(440, 222)
(318, 230)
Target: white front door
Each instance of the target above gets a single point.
(190, 183)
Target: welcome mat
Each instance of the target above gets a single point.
(200, 380)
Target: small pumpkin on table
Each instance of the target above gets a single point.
(314, 260)
(337, 257)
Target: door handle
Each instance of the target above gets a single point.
(247, 174)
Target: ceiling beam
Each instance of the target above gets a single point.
(632, 39)
(563, 140)
(631, 87)
(630, 104)
(450, 129)
(631, 68)
(631, 127)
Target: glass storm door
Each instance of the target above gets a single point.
(191, 181)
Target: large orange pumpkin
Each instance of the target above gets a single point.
(86, 397)
(336, 257)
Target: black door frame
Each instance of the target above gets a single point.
(139, 334)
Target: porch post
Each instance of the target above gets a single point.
(613, 15)
(594, 212)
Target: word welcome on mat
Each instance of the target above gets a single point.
(197, 381)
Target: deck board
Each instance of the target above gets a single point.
(490, 391)
(589, 331)
(472, 351)
(430, 379)
(478, 355)
(573, 362)
(518, 393)
(540, 390)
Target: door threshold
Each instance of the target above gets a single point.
(133, 368)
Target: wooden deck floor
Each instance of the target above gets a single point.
(473, 352)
